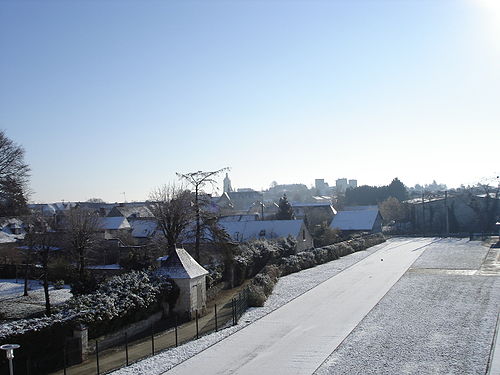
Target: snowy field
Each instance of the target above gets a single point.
(287, 288)
(427, 323)
(462, 255)
(15, 305)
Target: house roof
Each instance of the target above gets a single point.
(132, 212)
(143, 228)
(231, 218)
(7, 225)
(316, 204)
(181, 265)
(355, 220)
(249, 230)
(114, 223)
(360, 208)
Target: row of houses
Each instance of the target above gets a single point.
(138, 222)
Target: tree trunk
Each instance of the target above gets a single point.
(26, 277)
(198, 227)
(81, 264)
(45, 261)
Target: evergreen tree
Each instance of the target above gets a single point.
(397, 190)
(285, 211)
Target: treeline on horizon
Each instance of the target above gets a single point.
(372, 195)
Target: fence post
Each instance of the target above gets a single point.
(152, 340)
(233, 309)
(176, 336)
(126, 348)
(238, 307)
(97, 355)
(197, 330)
(216, 326)
(64, 359)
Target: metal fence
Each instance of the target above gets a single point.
(109, 356)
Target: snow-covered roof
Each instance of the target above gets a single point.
(105, 267)
(131, 212)
(114, 223)
(232, 218)
(360, 208)
(52, 208)
(355, 220)
(9, 223)
(181, 265)
(143, 228)
(6, 230)
(316, 204)
(249, 230)
(39, 248)
(9, 238)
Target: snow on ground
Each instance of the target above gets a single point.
(287, 288)
(10, 288)
(15, 305)
(427, 323)
(463, 255)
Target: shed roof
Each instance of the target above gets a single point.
(355, 220)
(181, 265)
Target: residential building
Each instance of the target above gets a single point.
(131, 212)
(243, 231)
(316, 213)
(358, 221)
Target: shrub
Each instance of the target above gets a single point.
(128, 297)
(256, 296)
(263, 287)
(58, 284)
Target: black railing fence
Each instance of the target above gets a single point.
(112, 354)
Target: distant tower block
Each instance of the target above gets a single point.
(227, 184)
(353, 184)
(341, 185)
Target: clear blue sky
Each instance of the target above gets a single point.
(116, 96)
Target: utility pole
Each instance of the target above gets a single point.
(423, 214)
(447, 213)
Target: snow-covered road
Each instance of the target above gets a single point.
(299, 336)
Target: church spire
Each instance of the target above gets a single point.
(227, 184)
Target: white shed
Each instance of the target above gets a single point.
(190, 277)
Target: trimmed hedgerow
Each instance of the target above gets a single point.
(253, 256)
(263, 283)
(121, 297)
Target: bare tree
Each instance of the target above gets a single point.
(199, 180)
(40, 239)
(14, 176)
(81, 228)
(172, 208)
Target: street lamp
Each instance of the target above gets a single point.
(9, 348)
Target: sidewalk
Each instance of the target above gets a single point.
(112, 359)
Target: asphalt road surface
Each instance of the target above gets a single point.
(299, 336)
